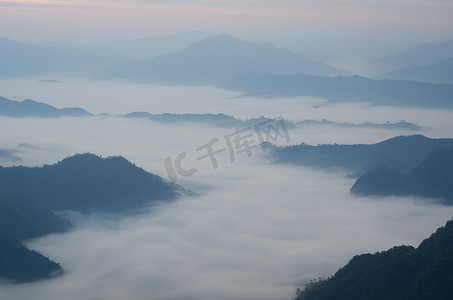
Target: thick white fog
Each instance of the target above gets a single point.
(257, 231)
(117, 97)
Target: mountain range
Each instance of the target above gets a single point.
(184, 58)
(439, 72)
(388, 125)
(419, 55)
(197, 58)
(31, 108)
(20, 59)
(402, 153)
(344, 89)
(215, 59)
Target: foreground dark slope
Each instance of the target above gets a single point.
(84, 183)
(402, 153)
(433, 177)
(18, 264)
(19, 221)
(400, 273)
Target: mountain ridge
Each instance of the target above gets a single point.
(402, 153)
(214, 59)
(84, 183)
(402, 272)
(419, 55)
(402, 93)
(433, 178)
(439, 72)
(32, 108)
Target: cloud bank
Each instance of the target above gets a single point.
(257, 231)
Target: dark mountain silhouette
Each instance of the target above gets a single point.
(215, 59)
(403, 272)
(31, 108)
(18, 264)
(344, 89)
(439, 72)
(25, 220)
(86, 182)
(381, 180)
(433, 177)
(419, 55)
(19, 221)
(402, 153)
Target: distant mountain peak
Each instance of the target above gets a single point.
(216, 41)
(215, 59)
(32, 108)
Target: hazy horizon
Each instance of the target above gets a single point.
(98, 20)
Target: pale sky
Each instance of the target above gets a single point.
(97, 20)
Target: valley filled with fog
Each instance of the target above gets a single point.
(176, 150)
(256, 230)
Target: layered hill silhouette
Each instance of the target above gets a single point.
(402, 153)
(223, 120)
(219, 120)
(31, 108)
(22, 60)
(21, 221)
(85, 183)
(388, 125)
(215, 59)
(144, 48)
(419, 55)
(403, 272)
(439, 72)
(344, 89)
(433, 177)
